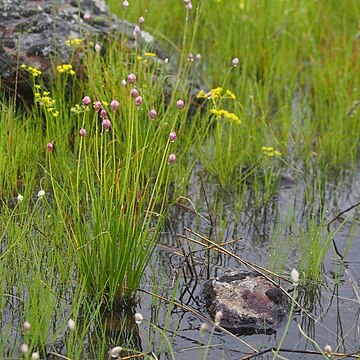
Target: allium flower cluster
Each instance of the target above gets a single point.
(235, 62)
(180, 104)
(152, 114)
(188, 4)
(138, 101)
(114, 105)
(50, 147)
(131, 78)
(86, 101)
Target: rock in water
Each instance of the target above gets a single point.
(249, 302)
(35, 32)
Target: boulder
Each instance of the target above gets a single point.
(35, 32)
(248, 301)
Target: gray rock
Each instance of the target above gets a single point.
(249, 302)
(34, 32)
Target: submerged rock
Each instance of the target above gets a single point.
(249, 302)
(37, 33)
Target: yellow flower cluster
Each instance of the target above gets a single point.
(226, 114)
(216, 93)
(270, 151)
(150, 54)
(44, 99)
(73, 42)
(66, 68)
(230, 94)
(32, 70)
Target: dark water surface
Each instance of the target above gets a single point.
(334, 303)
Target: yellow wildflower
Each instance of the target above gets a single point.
(77, 109)
(230, 94)
(65, 68)
(150, 54)
(32, 70)
(226, 115)
(270, 151)
(202, 95)
(216, 93)
(73, 42)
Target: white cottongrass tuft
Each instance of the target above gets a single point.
(294, 275)
(41, 194)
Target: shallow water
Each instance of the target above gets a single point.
(334, 305)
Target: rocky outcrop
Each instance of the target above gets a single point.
(248, 301)
(35, 32)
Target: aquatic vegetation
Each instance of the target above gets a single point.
(243, 135)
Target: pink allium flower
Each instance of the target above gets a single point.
(141, 20)
(136, 30)
(86, 100)
(125, 4)
(131, 78)
(106, 124)
(198, 57)
(82, 132)
(103, 113)
(87, 16)
(172, 136)
(171, 159)
(134, 93)
(50, 147)
(97, 105)
(114, 105)
(180, 104)
(123, 82)
(152, 114)
(188, 4)
(138, 101)
(235, 62)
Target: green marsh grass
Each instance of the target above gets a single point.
(107, 195)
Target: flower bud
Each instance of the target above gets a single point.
(106, 123)
(24, 348)
(138, 318)
(103, 113)
(41, 194)
(294, 275)
(97, 48)
(218, 316)
(82, 132)
(50, 147)
(26, 326)
(152, 114)
(235, 62)
(86, 100)
(35, 356)
(172, 136)
(180, 104)
(87, 16)
(97, 105)
(114, 105)
(171, 159)
(131, 78)
(134, 93)
(71, 324)
(138, 101)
